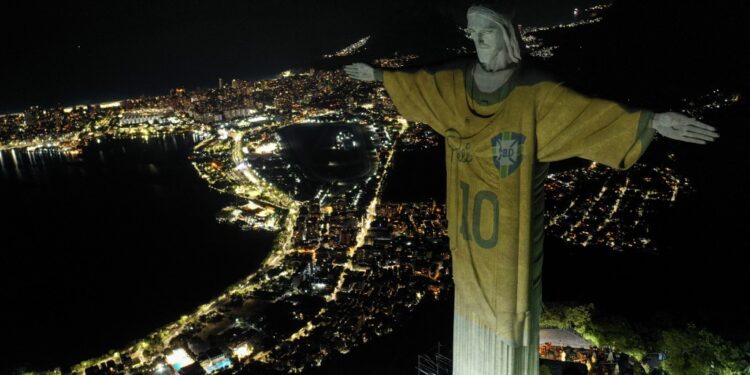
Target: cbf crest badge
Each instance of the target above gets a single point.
(507, 152)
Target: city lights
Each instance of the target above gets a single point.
(178, 359)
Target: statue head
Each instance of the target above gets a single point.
(494, 37)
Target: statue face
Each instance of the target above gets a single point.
(488, 39)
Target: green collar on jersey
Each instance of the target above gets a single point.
(489, 98)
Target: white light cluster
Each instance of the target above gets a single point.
(351, 49)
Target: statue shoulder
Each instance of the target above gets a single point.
(455, 64)
(443, 66)
(530, 75)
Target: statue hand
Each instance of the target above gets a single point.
(683, 128)
(360, 72)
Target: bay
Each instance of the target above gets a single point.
(103, 249)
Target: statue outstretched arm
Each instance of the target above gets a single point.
(425, 96)
(573, 125)
(683, 128)
(363, 72)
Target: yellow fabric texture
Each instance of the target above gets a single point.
(492, 153)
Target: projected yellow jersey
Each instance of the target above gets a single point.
(498, 148)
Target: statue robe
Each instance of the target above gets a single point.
(498, 149)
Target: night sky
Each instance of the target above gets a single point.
(88, 51)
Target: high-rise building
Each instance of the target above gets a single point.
(32, 116)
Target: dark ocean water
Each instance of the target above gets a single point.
(102, 250)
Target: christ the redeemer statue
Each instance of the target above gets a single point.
(503, 126)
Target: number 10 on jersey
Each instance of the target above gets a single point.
(472, 231)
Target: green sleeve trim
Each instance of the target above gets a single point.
(379, 75)
(643, 137)
(646, 131)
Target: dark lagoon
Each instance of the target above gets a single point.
(334, 156)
